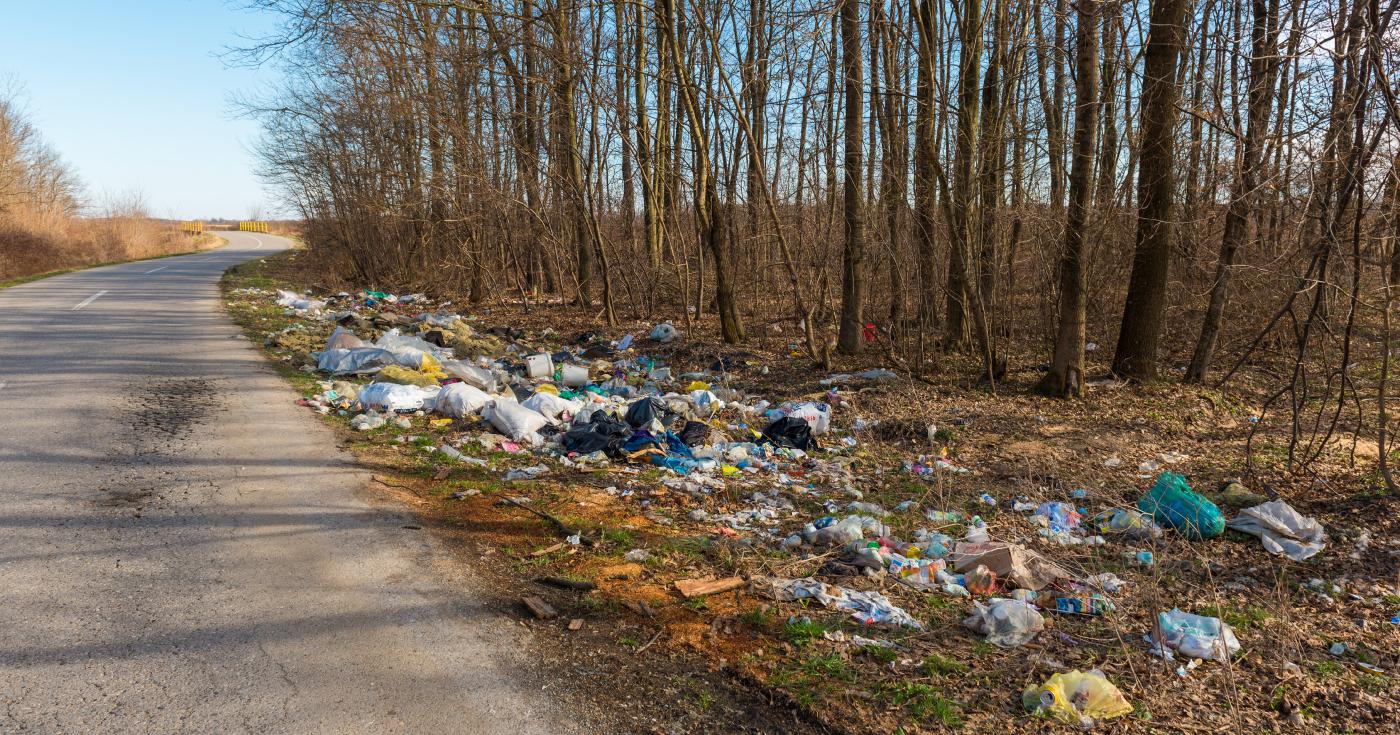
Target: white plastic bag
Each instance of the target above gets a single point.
(409, 351)
(470, 374)
(514, 420)
(1282, 529)
(1006, 623)
(705, 402)
(299, 303)
(551, 405)
(394, 397)
(665, 332)
(1197, 636)
(816, 415)
(459, 399)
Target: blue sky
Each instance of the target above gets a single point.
(133, 94)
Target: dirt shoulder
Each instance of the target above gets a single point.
(631, 652)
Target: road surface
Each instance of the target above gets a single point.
(182, 549)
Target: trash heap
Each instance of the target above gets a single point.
(593, 403)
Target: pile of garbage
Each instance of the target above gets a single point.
(596, 402)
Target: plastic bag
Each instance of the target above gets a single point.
(1059, 517)
(413, 353)
(394, 397)
(663, 332)
(392, 340)
(1006, 623)
(694, 433)
(1173, 503)
(1282, 529)
(460, 399)
(343, 339)
(299, 303)
(470, 374)
(790, 431)
(1077, 697)
(551, 405)
(514, 420)
(1197, 636)
(354, 362)
(705, 402)
(644, 411)
(601, 434)
(981, 581)
(816, 415)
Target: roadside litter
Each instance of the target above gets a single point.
(793, 481)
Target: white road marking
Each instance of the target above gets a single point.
(259, 243)
(89, 300)
(153, 270)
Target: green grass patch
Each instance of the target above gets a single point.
(937, 666)
(923, 702)
(1326, 669)
(802, 632)
(881, 654)
(1250, 617)
(759, 618)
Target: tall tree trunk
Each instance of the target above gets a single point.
(708, 214)
(1136, 354)
(962, 223)
(925, 153)
(1066, 376)
(1263, 66)
(853, 254)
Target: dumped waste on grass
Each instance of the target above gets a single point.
(696, 451)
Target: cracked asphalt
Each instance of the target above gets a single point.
(182, 549)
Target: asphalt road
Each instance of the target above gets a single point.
(182, 549)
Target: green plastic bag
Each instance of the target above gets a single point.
(1173, 504)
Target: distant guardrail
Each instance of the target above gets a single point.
(192, 228)
(253, 226)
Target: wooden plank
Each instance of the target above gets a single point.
(691, 588)
(539, 608)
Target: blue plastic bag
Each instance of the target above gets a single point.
(1173, 503)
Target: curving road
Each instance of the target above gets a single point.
(183, 549)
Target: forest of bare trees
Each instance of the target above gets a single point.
(1200, 186)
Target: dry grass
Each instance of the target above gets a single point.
(32, 243)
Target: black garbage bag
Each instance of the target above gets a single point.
(602, 433)
(694, 433)
(642, 412)
(790, 432)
